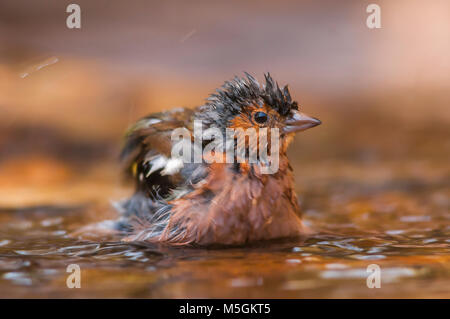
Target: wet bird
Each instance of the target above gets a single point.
(214, 203)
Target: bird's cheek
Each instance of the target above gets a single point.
(287, 140)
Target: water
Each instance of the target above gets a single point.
(356, 224)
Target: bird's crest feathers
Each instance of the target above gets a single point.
(239, 92)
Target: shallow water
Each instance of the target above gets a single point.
(357, 223)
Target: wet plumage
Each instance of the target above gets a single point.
(213, 203)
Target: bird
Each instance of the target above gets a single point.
(206, 203)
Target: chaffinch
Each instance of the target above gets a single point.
(215, 203)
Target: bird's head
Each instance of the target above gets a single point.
(243, 103)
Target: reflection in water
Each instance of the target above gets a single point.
(35, 251)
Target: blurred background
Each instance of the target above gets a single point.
(383, 95)
(387, 88)
(67, 95)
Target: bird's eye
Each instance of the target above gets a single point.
(260, 117)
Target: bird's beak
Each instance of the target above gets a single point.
(297, 122)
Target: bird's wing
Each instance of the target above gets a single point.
(147, 154)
